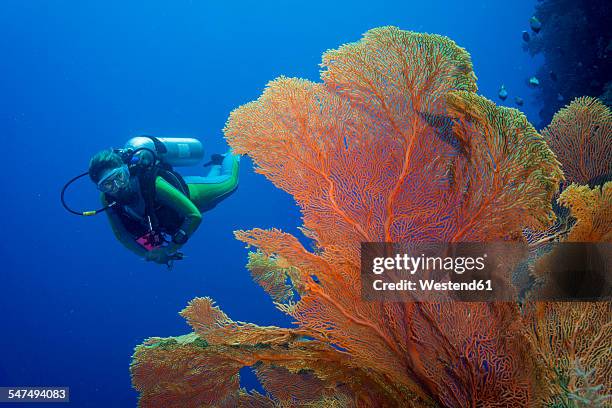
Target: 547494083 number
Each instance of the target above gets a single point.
(34, 394)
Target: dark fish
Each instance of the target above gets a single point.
(503, 94)
(519, 101)
(534, 82)
(443, 126)
(553, 76)
(526, 36)
(535, 24)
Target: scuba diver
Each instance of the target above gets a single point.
(152, 209)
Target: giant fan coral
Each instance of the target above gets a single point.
(394, 145)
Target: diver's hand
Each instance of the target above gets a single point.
(158, 255)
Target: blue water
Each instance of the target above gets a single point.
(80, 76)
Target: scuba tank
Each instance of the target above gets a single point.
(174, 151)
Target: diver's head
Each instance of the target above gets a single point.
(108, 171)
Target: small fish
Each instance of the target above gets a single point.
(519, 101)
(535, 24)
(534, 82)
(526, 36)
(560, 97)
(503, 94)
(553, 76)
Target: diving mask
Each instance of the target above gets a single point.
(115, 180)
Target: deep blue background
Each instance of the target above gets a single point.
(79, 76)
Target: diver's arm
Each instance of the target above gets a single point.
(169, 196)
(122, 234)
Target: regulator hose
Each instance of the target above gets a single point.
(83, 213)
(127, 158)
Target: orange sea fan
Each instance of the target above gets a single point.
(184, 372)
(201, 369)
(592, 209)
(313, 140)
(558, 272)
(581, 136)
(395, 146)
(565, 334)
(513, 171)
(371, 151)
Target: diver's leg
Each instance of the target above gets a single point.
(221, 181)
(215, 170)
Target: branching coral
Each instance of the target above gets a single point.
(562, 273)
(393, 146)
(573, 339)
(188, 371)
(374, 154)
(592, 209)
(568, 337)
(515, 172)
(579, 134)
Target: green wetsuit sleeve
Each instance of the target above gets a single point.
(169, 196)
(122, 234)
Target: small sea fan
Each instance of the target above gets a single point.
(581, 136)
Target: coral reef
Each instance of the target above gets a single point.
(394, 145)
(188, 371)
(576, 42)
(567, 337)
(579, 135)
(592, 209)
(561, 273)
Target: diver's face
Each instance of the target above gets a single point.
(115, 181)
